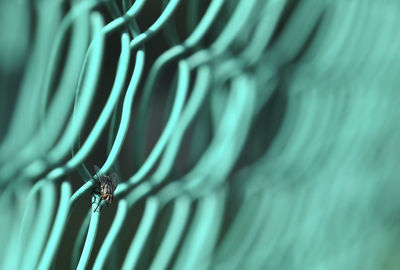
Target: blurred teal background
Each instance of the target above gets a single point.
(247, 134)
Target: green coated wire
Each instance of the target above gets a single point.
(110, 104)
(183, 82)
(87, 92)
(110, 238)
(112, 130)
(174, 52)
(29, 97)
(116, 147)
(128, 16)
(105, 114)
(29, 215)
(193, 105)
(92, 73)
(111, 26)
(58, 228)
(199, 244)
(136, 246)
(238, 103)
(125, 117)
(163, 256)
(40, 228)
(35, 145)
(114, 25)
(214, 2)
(271, 12)
(266, 184)
(78, 244)
(88, 246)
(126, 111)
(192, 20)
(169, 30)
(229, 33)
(156, 26)
(189, 113)
(173, 234)
(205, 23)
(13, 233)
(123, 124)
(63, 98)
(132, 24)
(166, 58)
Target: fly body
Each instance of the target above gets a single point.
(105, 187)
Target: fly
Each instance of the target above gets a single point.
(105, 187)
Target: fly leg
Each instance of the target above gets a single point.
(93, 198)
(98, 204)
(95, 191)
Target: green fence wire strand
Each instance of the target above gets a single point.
(193, 8)
(111, 135)
(29, 214)
(229, 33)
(169, 30)
(112, 130)
(129, 19)
(139, 64)
(58, 110)
(197, 97)
(240, 102)
(195, 181)
(156, 26)
(321, 94)
(199, 243)
(142, 233)
(126, 112)
(104, 115)
(13, 232)
(204, 24)
(182, 88)
(114, 25)
(113, 261)
(112, 234)
(132, 24)
(58, 228)
(39, 165)
(264, 29)
(80, 31)
(87, 93)
(36, 146)
(39, 230)
(78, 244)
(174, 232)
(20, 217)
(29, 95)
(162, 62)
(116, 147)
(109, 106)
(90, 237)
(130, 14)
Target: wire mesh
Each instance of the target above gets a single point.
(247, 134)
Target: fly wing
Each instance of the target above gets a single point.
(114, 180)
(96, 169)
